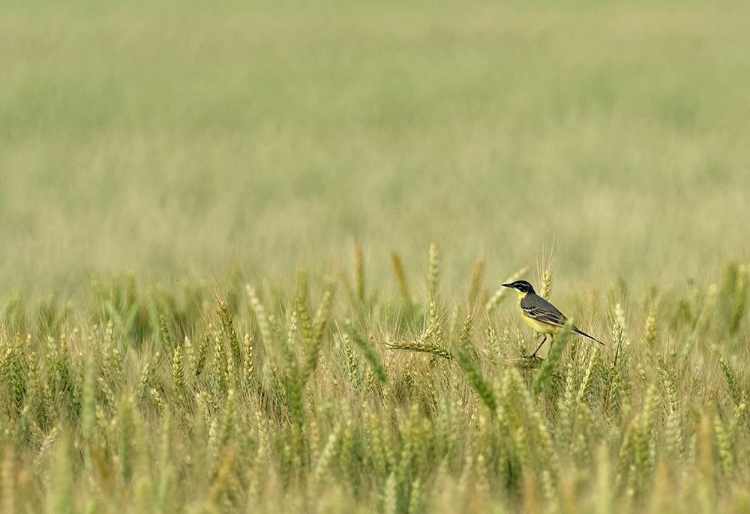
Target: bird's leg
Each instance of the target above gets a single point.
(533, 355)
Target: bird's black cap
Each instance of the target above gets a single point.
(520, 285)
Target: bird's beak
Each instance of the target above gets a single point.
(508, 285)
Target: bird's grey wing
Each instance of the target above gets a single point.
(541, 310)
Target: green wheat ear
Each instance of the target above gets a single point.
(415, 497)
(553, 357)
(432, 276)
(178, 373)
(328, 455)
(314, 331)
(371, 356)
(403, 284)
(304, 321)
(61, 497)
(420, 345)
(390, 495)
(739, 299)
(352, 367)
(732, 382)
(260, 315)
(651, 329)
(14, 314)
(227, 327)
(546, 284)
(477, 274)
(248, 362)
(88, 403)
(127, 436)
(166, 332)
(469, 366)
(359, 272)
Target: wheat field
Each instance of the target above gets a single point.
(251, 256)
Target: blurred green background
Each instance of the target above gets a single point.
(175, 139)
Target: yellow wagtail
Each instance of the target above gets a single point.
(541, 315)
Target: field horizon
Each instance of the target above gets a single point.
(278, 137)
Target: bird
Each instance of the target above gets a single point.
(541, 315)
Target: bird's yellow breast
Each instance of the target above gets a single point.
(542, 328)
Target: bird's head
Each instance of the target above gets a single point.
(521, 287)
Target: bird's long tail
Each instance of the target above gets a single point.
(584, 334)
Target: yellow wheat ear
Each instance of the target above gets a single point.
(546, 291)
(398, 269)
